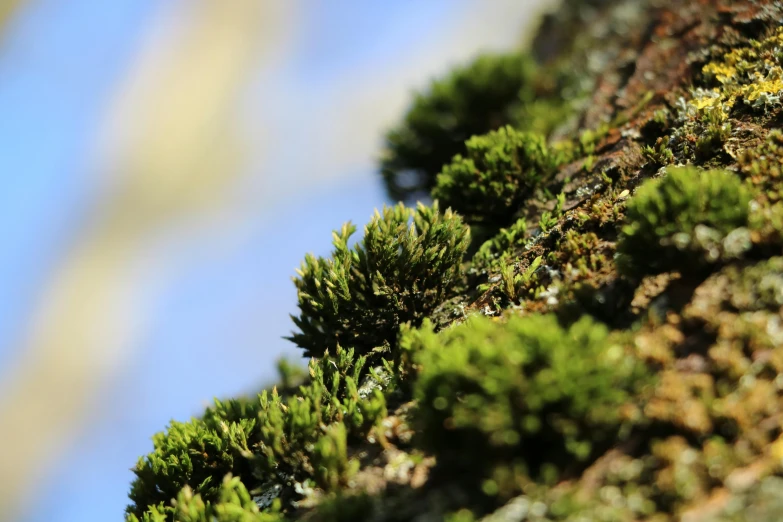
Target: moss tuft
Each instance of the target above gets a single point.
(682, 221)
(498, 172)
(528, 398)
(399, 272)
(271, 442)
(197, 454)
(234, 504)
(471, 100)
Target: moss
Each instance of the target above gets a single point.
(496, 251)
(716, 131)
(305, 437)
(196, 454)
(516, 284)
(502, 401)
(580, 255)
(660, 154)
(234, 504)
(763, 166)
(682, 221)
(395, 274)
(498, 172)
(471, 100)
(270, 443)
(332, 466)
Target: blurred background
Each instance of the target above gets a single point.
(165, 166)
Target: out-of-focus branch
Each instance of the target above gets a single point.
(7, 10)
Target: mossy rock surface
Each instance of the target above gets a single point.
(594, 331)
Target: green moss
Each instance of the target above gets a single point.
(300, 438)
(763, 166)
(498, 402)
(579, 255)
(498, 172)
(471, 100)
(196, 454)
(397, 273)
(683, 221)
(716, 130)
(233, 504)
(496, 252)
(270, 442)
(333, 468)
(515, 283)
(659, 154)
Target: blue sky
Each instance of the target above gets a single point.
(217, 323)
(57, 67)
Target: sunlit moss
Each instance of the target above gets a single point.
(682, 221)
(498, 172)
(499, 401)
(398, 272)
(471, 100)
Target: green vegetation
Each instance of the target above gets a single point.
(499, 171)
(471, 100)
(514, 283)
(195, 454)
(301, 437)
(473, 375)
(234, 504)
(395, 274)
(659, 154)
(763, 166)
(527, 398)
(269, 442)
(679, 222)
(496, 252)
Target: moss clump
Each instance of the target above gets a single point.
(234, 504)
(197, 454)
(498, 172)
(399, 272)
(271, 442)
(301, 438)
(659, 154)
(499, 402)
(471, 100)
(683, 221)
(763, 166)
